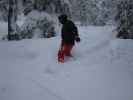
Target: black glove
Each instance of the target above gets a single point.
(77, 39)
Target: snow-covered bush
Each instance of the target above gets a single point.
(38, 24)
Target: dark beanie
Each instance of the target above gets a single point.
(63, 17)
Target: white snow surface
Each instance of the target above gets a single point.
(101, 68)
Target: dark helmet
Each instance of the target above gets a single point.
(62, 18)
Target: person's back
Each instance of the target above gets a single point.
(69, 32)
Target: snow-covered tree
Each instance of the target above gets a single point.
(4, 10)
(54, 6)
(124, 19)
(87, 11)
(95, 12)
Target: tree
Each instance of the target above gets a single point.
(86, 11)
(124, 19)
(105, 12)
(12, 17)
(3, 10)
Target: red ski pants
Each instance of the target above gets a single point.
(64, 51)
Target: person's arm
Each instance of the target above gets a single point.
(75, 31)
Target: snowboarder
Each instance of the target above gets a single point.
(69, 34)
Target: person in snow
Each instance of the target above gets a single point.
(69, 34)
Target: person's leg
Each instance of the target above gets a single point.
(68, 49)
(61, 56)
(65, 51)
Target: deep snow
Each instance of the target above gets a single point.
(101, 69)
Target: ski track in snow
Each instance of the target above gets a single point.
(47, 89)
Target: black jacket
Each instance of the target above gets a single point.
(69, 32)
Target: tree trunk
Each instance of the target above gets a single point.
(12, 17)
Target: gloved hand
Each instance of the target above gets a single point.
(77, 39)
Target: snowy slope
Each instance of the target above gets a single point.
(101, 69)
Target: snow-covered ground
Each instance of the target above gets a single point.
(101, 69)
